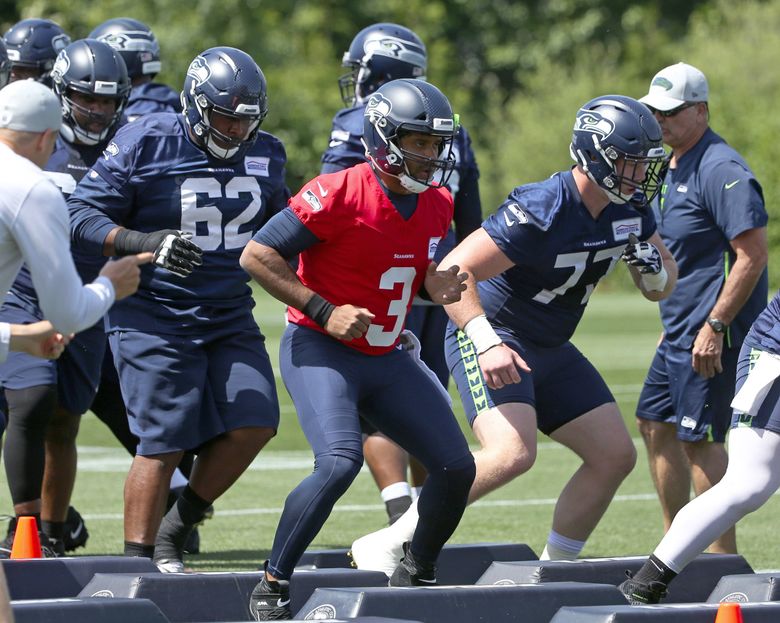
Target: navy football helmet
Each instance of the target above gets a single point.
(33, 45)
(229, 82)
(134, 41)
(5, 65)
(378, 54)
(403, 106)
(92, 68)
(618, 143)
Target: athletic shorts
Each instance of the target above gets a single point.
(76, 373)
(766, 397)
(183, 391)
(674, 393)
(561, 386)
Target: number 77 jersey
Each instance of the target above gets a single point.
(560, 254)
(369, 255)
(152, 177)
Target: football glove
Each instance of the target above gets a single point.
(643, 255)
(173, 250)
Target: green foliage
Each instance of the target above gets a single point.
(516, 71)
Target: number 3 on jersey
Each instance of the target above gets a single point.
(376, 335)
(192, 213)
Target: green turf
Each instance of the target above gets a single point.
(618, 334)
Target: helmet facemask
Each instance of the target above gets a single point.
(73, 112)
(217, 143)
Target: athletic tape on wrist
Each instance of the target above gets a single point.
(657, 282)
(481, 334)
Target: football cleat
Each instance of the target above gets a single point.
(411, 572)
(270, 600)
(76, 533)
(170, 565)
(378, 551)
(642, 593)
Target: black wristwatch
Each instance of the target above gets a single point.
(716, 325)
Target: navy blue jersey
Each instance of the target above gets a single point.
(346, 149)
(67, 165)
(765, 332)
(560, 253)
(151, 177)
(151, 97)
(710, 198)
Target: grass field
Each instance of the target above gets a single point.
(618, 334)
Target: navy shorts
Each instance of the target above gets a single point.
(561, 386)
(768, 415)
(332, 385)
(675, 394)
(76, 373)
(182, 391)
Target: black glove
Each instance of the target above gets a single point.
(644, 255)
(172, 248)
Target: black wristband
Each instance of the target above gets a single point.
(318, 309)
(423, 293)
(130, 242)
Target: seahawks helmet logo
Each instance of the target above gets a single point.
(595, 123)
(199, 71)
(61, 66)
(377, 109)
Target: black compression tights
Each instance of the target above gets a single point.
(29, 412)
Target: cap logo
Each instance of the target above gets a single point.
(199, 71)
(377, 109)
(593, 122)
(665, 83)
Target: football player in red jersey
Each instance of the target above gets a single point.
(366, 236)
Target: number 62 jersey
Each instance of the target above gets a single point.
(151, 177)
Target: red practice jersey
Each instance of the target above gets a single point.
(369, 255)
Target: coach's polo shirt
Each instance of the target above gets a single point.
(709, 199)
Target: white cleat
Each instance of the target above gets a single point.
(170, 566)
(379, 551)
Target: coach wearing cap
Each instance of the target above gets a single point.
(711, 216)
(34, 229)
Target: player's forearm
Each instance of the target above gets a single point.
(737, 288)
(670, 266)
(269, 269)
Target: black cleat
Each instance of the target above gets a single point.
(411, 572)
(270, 601)
(76, 533)
(8, 542)
(642, 593)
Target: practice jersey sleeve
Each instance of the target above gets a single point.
(104, 196)
(518, 234)
(285, 233)
(734, 198)
(41, 231)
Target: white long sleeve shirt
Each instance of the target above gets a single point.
(35, 230)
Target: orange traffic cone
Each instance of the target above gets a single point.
(729, 613)
(27, 544)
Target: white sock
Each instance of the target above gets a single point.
(178, 480)
(403, 529)
(396, 490)
(560, 547)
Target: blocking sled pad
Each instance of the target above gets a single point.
(87, 610)
(189, 597)
(533, 603)
(458, 564)
(745, 588)
(52, 578)
(694, 584)
(678, 613)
